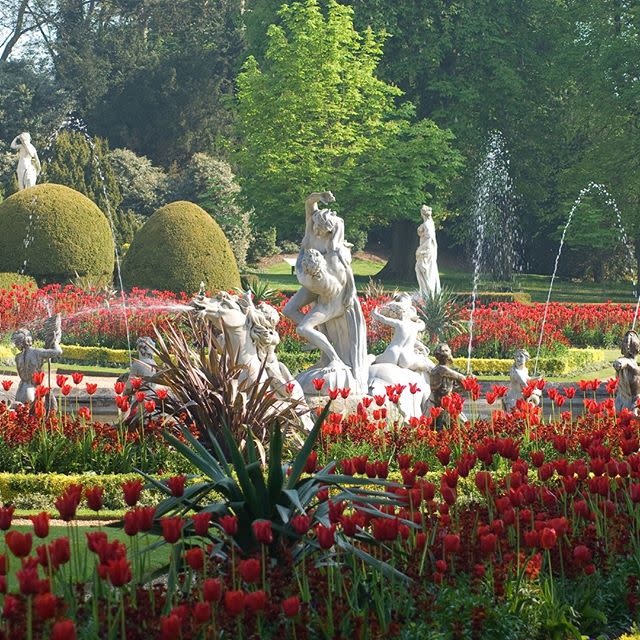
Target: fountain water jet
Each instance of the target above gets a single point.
(599, 188)
(494, 222)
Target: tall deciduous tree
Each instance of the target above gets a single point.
(314, 115)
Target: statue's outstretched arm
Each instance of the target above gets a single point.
(15, 143)
(391, 322)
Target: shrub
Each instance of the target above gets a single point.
(179, 247)
(69, 235)
(263, 244)
(19, 279)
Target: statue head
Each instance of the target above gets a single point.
(426, 212)
(25, 137)
(630, 345)
(22, 338)
(520, 357)
(146, 347)
(443, 353)
(324, 222)
(313, 263)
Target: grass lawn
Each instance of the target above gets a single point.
(279, 276)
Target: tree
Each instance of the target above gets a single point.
(155, 76)
(313, 114)
(74, 162)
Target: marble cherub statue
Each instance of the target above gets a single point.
(519, 378)
(628, 371)
(29, 166)
(30, 359)
(402, 316)
(334, 324)
(427, 255)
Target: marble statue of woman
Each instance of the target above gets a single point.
(28, 162)
(518, 379)
(628, 370)
(30, 359)
(334, 324)
(427, 255)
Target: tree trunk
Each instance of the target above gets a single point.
(402, 261)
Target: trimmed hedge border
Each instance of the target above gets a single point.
(573, 360)
(39, 490)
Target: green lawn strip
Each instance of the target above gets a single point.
(279, 276)
(83, 560)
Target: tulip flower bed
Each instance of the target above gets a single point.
(509, 527)
(67, 443)
(97, 319)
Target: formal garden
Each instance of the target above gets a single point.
(318, 320)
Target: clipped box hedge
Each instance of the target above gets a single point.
(39, 490)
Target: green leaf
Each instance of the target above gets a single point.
(305, 451)
(276, 477)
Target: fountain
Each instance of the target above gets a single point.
(497, 237)
(601, 190)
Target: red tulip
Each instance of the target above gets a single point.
(262, 531)
(77, 377)
(172, 528)
(119, 387)
(45, 605)
(94, 497)
(7, 384)
(195, 558)
(256, 601)
(212, 589)
(202, 612)
(326, 536)
(92, 387)
(291, 606)
(119, 572)
(582, 555)
(201, 523)
(250, 570)
(548, 538)
(19, 543)
(41, 524)
(301, 524)
(318, 383)
(451, 543)
(63, 630)
(229, 524)
(28, 580)
(234, 602)
(176, 485)
(38, 377)
(488, 543)
(170, 627)
(132, 490)
(6, 515)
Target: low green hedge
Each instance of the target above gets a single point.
(39, 490)
(572, 360)
(487, 297)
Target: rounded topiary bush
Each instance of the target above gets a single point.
(58, 232)
(7, 280)
(179, 247)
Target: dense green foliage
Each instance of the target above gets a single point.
(319, 108)
(318, 70)
(178, 247)
(67, 233)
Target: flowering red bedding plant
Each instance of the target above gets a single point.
(34, 441)
(93, 318)
(512, 527)
(96, 318)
